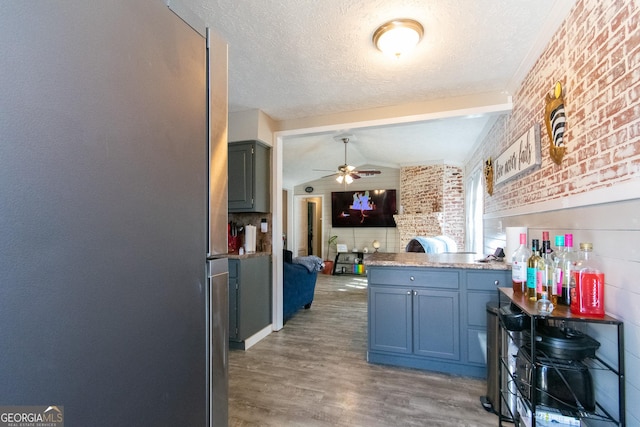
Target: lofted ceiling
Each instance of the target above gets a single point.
(298, 60)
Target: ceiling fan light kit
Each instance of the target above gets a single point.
(398, 37)
(344, 178)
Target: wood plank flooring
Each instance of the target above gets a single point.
(314, 373)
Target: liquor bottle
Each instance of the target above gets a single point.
(558, 257)
(519, 265)
(568, 263)
(532, 270)
(544, 276)
(587, 296)
(545, 238)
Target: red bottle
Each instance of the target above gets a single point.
(587, 285)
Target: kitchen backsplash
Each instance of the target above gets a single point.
(263, 240)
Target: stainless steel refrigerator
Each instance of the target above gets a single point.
(106, 308)
(217, 262)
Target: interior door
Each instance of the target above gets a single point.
(311, 221)
(301, 231)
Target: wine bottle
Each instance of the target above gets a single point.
(545, 272)
(545, 238)
(557, 258)
(532, 270)
(519, 265)
(568, 262)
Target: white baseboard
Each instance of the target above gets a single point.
(257, 337)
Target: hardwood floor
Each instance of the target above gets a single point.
(314, 373)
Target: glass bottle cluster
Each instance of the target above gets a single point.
(561, 276)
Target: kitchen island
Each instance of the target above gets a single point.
(428, 311)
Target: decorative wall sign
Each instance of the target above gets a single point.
(554, 117)
(522, 155)
(488, 175)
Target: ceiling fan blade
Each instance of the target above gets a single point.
(367, 172)
(327, 176)
(347, 171)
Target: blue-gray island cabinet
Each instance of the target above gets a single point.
(428, 311)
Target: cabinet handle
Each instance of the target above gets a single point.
(412, 278)
(408, 292)
(497, 282)
(415, 293)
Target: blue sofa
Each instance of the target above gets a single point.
(298, 286)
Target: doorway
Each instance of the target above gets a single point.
(308, 226)
(311, 220)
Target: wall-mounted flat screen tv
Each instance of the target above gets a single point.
(363, 208)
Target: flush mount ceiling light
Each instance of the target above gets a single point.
(398, 37)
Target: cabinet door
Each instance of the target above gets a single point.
(240, 177)
(254, 296)
(390, 319)
(436, 324)
(477, 325)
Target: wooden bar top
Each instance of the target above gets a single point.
(560, 311)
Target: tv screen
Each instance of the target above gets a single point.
(364, 208)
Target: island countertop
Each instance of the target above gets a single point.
(443, 260)
(236, 255)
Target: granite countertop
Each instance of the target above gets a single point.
(235, 255)
(448, 260)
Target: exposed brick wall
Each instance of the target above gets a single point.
(433, 202)
(453, 205)
(412, 225)
(596, 56)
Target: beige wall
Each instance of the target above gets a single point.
(250, 125)
(594, 192)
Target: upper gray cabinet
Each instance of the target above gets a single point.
(249, 176)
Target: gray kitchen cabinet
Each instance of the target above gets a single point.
(430, 318)
(249, 297)
(249, 176)
(414, 321)
(480, 289)
(390, 319)
(436, 323)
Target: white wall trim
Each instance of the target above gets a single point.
(617, 193)
(187, 15)
(276, 237)
(494, 103)
(257, 337)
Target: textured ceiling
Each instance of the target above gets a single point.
(296, 59)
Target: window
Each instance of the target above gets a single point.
(474, 202)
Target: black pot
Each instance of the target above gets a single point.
(513, 318)
(563, 384)
(565, 343)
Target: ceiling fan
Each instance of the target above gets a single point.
(347, 173)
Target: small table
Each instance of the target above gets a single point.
(351, 263)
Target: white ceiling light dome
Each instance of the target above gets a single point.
(398, 37)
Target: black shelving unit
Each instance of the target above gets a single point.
(347, 260)
(560, 314)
